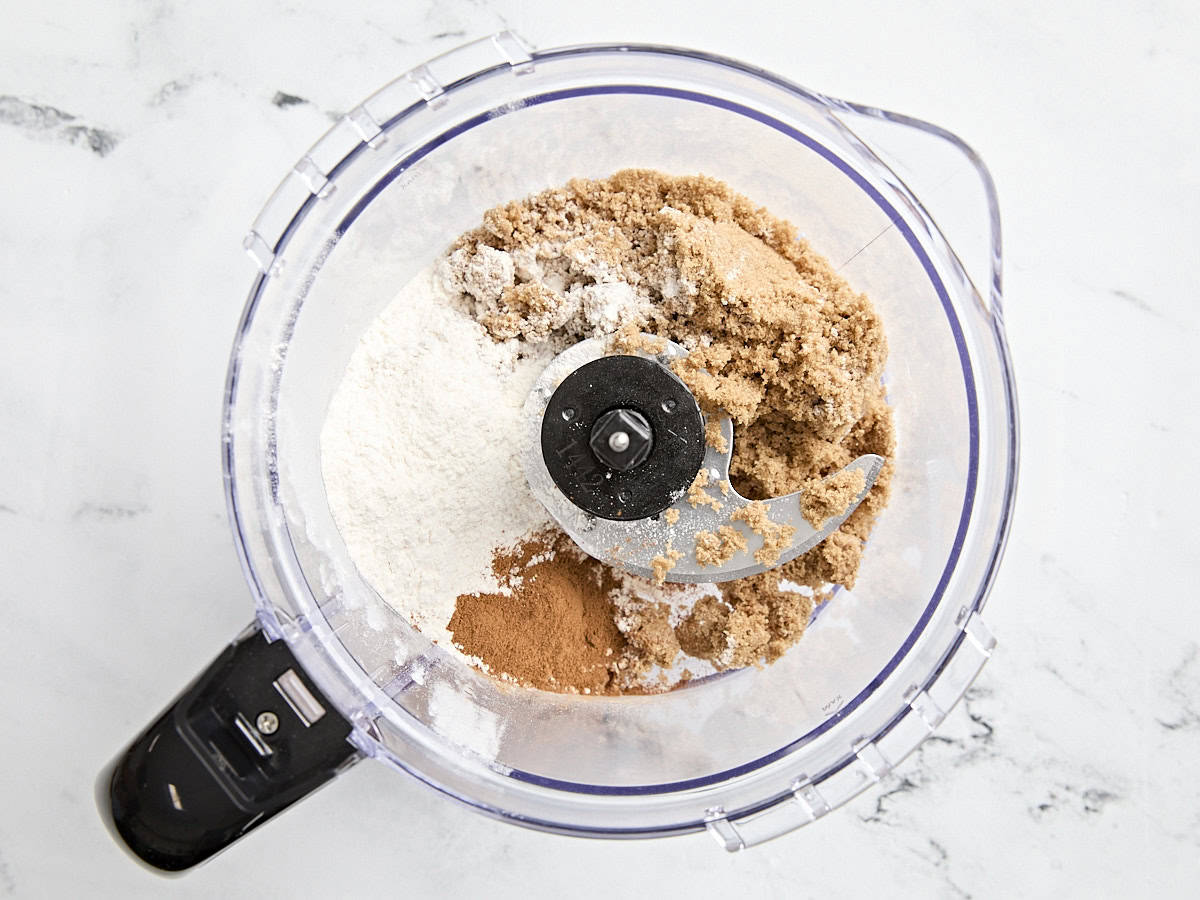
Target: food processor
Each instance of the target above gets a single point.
(329, 674)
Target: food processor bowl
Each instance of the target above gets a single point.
(749, 754)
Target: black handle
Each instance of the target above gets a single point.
(248, 738)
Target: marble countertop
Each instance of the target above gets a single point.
(138, 143)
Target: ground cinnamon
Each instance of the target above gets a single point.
(552, 626)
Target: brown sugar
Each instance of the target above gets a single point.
(756, 621)
(777, 340)
(776, 536)
(697, 495)
(630, 339)
(717, 548)
(664, 563)
(702, 632)
(823, 500)
(749, 631)
(713, 436)
(651, 633)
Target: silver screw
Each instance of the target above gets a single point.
(619, 441)
(267, 722)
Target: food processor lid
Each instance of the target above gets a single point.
(863, 736)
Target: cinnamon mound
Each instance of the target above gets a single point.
(552, 626)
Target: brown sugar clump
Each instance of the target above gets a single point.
(776, 536)
(532, 311)
(786, 615)
(630, 339)
(749, 632)
(702, 633)
(664, 563)
(671, 516)
(651, 633)
(826, 499)
(836, 559)
(697, 495)
(716, 549)
(713, 436)
(779, 343)
(756, 621)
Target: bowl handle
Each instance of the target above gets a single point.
(955, 188)
(245, 740)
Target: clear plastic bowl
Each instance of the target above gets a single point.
(754, 753)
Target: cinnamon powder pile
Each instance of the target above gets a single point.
(552, 624)
(777, 340)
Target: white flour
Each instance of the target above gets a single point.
(421, 447)
(420, 454)
(590, 297)
(463, 721)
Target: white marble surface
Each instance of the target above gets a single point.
(137, 142)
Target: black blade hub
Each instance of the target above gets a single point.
(622, 437)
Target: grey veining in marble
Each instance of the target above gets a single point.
(54, 124)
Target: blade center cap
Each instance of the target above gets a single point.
(622, 437)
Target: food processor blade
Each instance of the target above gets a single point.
(585, 490)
